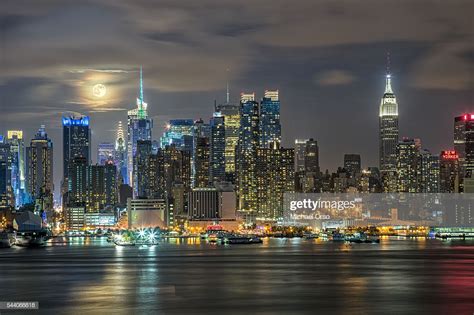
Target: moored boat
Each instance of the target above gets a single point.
(5, 240)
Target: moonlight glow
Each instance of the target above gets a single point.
(99, 90)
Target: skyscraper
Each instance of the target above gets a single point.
(76, 140)
(352, 163)
(139, 128)
(39, 171)
(93, 187)
(105, 153)
(141, 165)
(17, 153)
(275, 176)
(464, 146)
(6, 191)
(407, 162)
(246, 154)
(311, 157)
(270, 127)
(232, 123)
(300, 149)
(201, 159)
(218, 145)
(179, 132)
(121, 154)
(388, 133)
(428, 172)
(449, 172)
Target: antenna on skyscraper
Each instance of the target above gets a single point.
(388, 62)
(227, 85)
(141, 84)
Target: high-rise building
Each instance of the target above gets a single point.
(407, 162)
(311, 157)
(6, 191)
(121, 154)
(388, 134)
(179, 132)
(17, 155)
(77, 189)
(105, 153)
(217, 149)
(248, 143)
(156, 176)
(232, 124)
(76, 140)
(449, 173)
(464, 146)
(168, 168)
(93, 187)
(39, 171)
(270, 127)
(139, 128)
(111, 184)
(141, 164)
(275, 176)
(201, 159)
(352, 163)
(300, 149)
(428, 172)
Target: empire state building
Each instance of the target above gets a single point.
(388, 130)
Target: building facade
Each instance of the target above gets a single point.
(464, 146)
(270, 127)
(275, 176)
(388, 135)
(76, 140)
(139, 128)
(18, 170)
(39, 171)
(217, 149)
(246, 155)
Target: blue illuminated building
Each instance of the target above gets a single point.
(139, 128)
(270, 127)
(76, 140)
(179, 132)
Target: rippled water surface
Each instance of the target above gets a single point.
(290, 276)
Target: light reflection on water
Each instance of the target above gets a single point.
(90, 276)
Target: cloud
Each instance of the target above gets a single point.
(335, 77)
(446, 66)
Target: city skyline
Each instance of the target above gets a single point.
(243, 156)
(332, 78)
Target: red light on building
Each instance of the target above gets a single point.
(449, 155)
(468, 117)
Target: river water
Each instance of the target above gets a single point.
(280, 276)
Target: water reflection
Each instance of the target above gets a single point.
(90, 276)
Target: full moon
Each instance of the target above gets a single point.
(99, 90)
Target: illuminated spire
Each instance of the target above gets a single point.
(388, 104)
(142, 106)
(141, 85)
(227, 92)
(388, 77)
(120, 141)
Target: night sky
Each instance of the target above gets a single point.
(327, 58)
